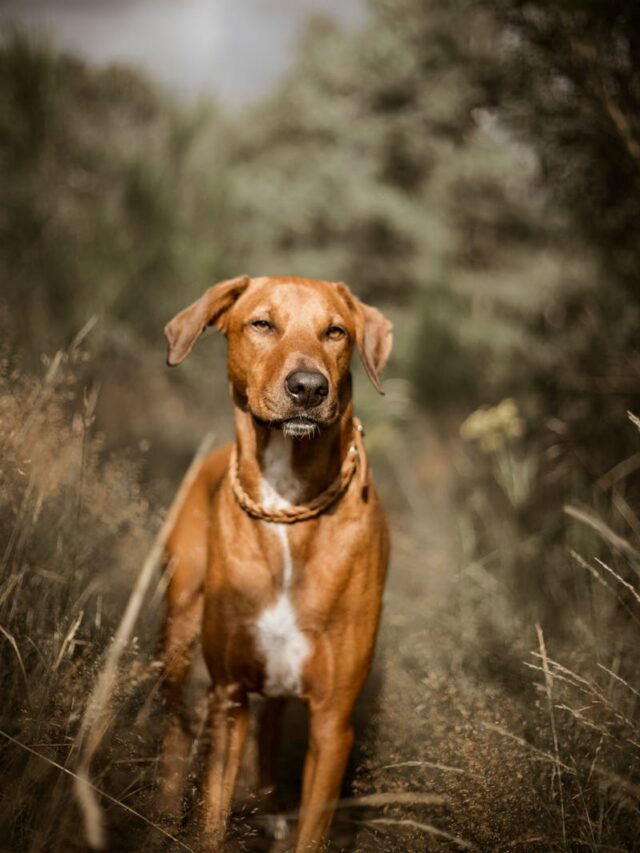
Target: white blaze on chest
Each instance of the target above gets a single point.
(279, 638)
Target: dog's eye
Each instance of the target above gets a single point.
(335, 333)
(262, 325)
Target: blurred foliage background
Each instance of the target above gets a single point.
(474, 170)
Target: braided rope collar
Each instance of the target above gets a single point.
(354, 459)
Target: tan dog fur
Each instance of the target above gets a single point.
(281, 609)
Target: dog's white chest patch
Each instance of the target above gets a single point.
(284, 647)
(281, 642)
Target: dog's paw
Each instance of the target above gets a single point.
(277, 827)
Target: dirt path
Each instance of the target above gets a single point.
(430, 716)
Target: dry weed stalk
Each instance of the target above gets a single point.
(96, 720)
(548, 683)
(617, 542)
(603, 583)
(422, 827)
(97, 791)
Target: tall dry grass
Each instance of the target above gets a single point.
(551, 610)
(74, 529)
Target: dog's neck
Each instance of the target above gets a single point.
(278, 470)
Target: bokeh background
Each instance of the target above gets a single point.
(473, 169)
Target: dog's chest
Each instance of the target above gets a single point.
(283, 646)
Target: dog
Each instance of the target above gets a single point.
(280, 550)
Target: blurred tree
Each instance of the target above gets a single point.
(574, 89)
(473, 165)
(111, 201)
(482, 161)
(382, 160)
(570, 88)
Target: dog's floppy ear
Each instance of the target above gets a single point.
(186, 327)
(373, 336)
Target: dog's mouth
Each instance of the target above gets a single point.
(299, 426)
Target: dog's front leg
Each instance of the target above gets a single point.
(227, 727)
(330, 741)
(186, 555)
(181, 629)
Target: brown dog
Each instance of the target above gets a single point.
(280, 551)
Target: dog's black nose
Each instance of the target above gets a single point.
(307, 388)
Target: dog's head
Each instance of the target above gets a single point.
(290, 342)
